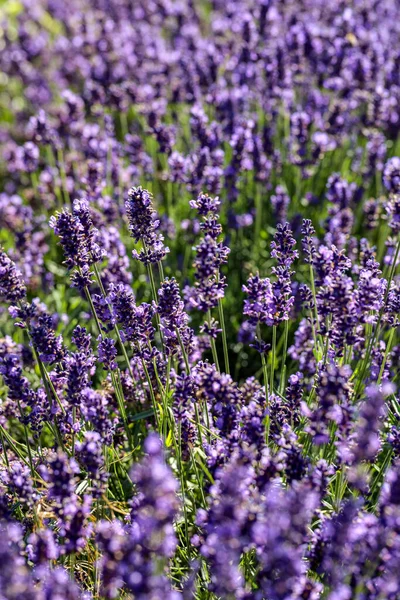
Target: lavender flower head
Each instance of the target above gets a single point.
(259, 305)
(282, 246)
(205, 204)
(141, 215)
(393, 210)
(173, 317)
(143, 226)
(307, 242)
(391, 175)
(107, 353)
(12, 286)
(151, 538)
(210, 256)
(135, 320)
(71, 233)
(367, 443)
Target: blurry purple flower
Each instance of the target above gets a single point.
(391, 175)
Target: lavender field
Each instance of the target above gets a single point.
(199, 299)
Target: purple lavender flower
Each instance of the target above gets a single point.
(15, 578)
(225, 527)
(280, 202)
(372, 211)
(143, 226)
(20, 392)
(260, 304)
(77, 371)
(330, 541)
(81, 211)
(393, 210)
(278, 93)
(211, 328)
(307, 242)
(103, 312)
(112, 539)
(89, 453)
(221, 393)
(44, 339)
(252, 424)
(19, 483)
(82, 279)
(282, 246)
(12, 286)
(205, 204)
(60, 476)
(74, 525)
(29, 157)
(333, 396)
(42, 547)
(286, 411)
(391, 175)
(71, 233)
(96, 409)
(366, 442)
(107, 353)
(82, 339)
(339, 191)
(295, 463)
(150, 538)
(205, 294)
(210, 256)
(173, 317)
(136, 321)
(371, 292)
(279, 534)
(58, 584)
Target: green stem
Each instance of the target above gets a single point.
(178, 450)
(161, 270)
(60, 158)
(3, 445)
(387, 352)
(183, 350)
(154, 294)
(264, 365)
(213, 345)
(13, 446)
(283, 367)
(96, 318)
(314, 294)
(153, 398)
(73, 430)
(28, 447)
(273, 358)
(224, 342)
(52, 162)
(381, 473)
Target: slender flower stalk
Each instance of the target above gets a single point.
(273, 358)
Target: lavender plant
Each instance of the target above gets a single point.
(200, 300)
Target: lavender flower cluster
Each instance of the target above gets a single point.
(200, 300)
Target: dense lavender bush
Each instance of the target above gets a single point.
(200, 300)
